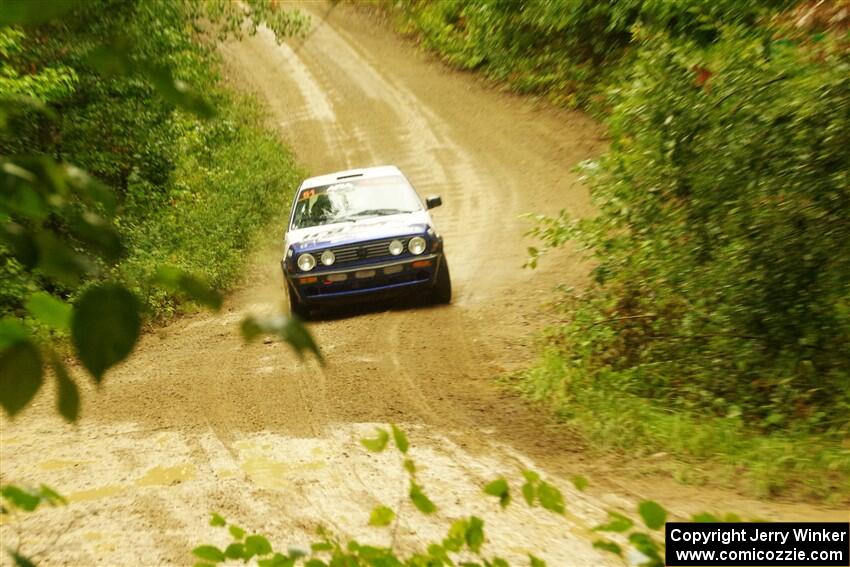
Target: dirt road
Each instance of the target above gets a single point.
(198, 422)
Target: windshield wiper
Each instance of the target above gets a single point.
(379, 212)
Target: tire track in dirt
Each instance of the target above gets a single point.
(197, 421)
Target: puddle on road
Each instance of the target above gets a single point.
(157, 476)
(268, 473)
(95, 493)
(167, 475)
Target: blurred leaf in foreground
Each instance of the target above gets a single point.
(105, 327)
(289, 329)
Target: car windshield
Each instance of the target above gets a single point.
(354, 199)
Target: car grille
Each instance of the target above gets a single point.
(366, 250)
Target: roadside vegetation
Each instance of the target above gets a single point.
(133, 179)
(716, 323)
(189, 192)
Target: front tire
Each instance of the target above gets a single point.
(443, 284)
(296, 306)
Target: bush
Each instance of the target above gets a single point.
(722, 276)
(190, 193)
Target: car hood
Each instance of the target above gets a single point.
(317, 237)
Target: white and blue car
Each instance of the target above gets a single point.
(358, 234)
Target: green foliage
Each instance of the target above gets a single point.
(568, 51)
(723, 449)
(720, 287)
(721, 259)
(499, 488)
(287, 328)
(653, 514)
(651, 550)
(381, 516)
(378, 443)
(25, 500)
(114, 195)
(105, 327)
(18, 500)
(465, 537)
(580, 482)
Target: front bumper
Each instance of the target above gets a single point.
(381, 279)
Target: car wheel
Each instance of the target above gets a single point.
(443, 284)
(296, 306)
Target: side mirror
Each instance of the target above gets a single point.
(432, 202)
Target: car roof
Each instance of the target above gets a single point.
(362, 173)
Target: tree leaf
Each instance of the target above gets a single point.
(51, 496)
(98, 234)
(21, 375)
(59, 261)
(290, 329)
(236, 550)
(105, 327)
(67, 394)
(378, 443)
(653, 514)
(529, 492)
(617, 523)
(217, 520)
(580, 482)
(400, 439)
(236, 532)
(11, 332)
(475, 533)
(530, 475)
(21, 243)
(420, 500)
(381, 516)
(20, 560)
(645, 545)
(550, 498)
(277, 560)
(536, 561)
(193, 287)
(209, 553)
(257, 545)
(608, 546)
(500, 489)
(20, 498)
(50, 310)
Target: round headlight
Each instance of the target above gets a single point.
(396, 247)
(306, 262)
(416, 245)
(327, 258)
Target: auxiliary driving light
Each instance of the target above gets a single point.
(306, 262)
(396, 247)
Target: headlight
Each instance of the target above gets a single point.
(416, 245)
(396, 247)
(306, 262)
(327, 258)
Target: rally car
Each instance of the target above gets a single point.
(362, 234)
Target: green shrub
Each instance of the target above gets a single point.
(721, 244)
